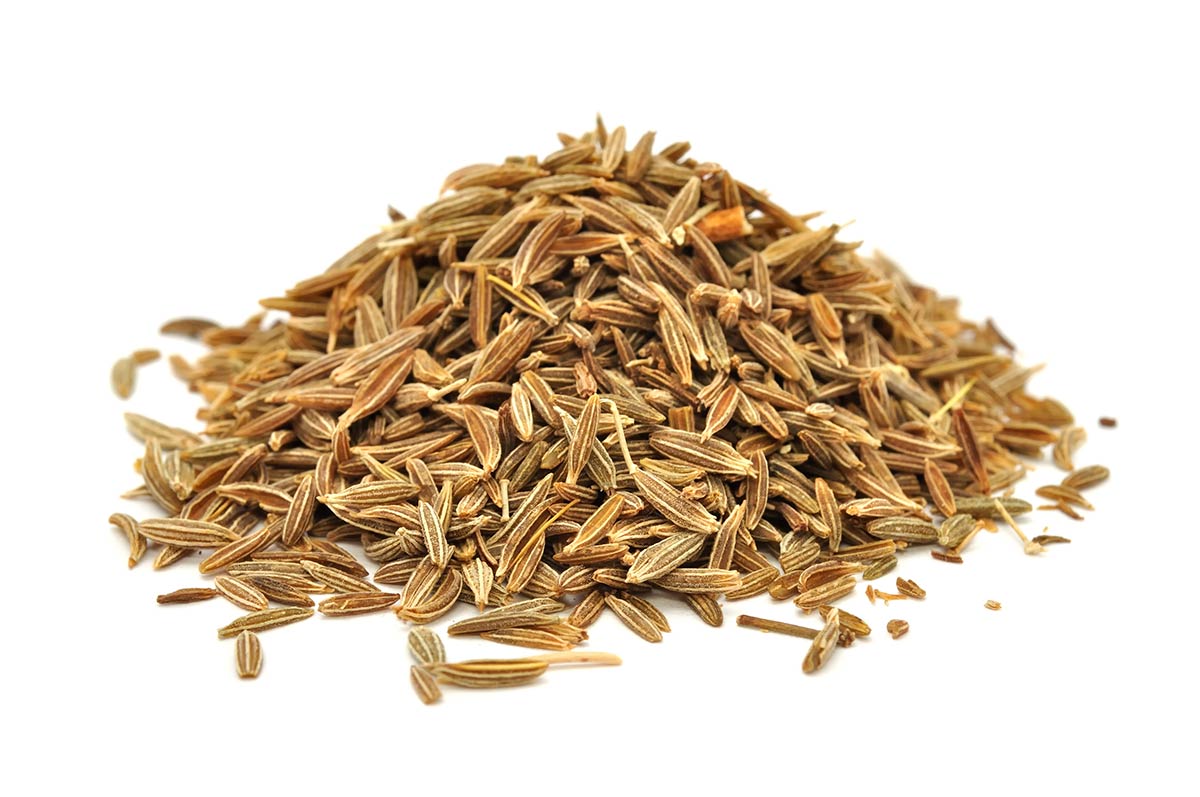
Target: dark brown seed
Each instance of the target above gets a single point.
(188, 595)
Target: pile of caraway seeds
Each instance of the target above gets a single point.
(580, 384)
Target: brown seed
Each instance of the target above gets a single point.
(489, 673)
(774, 626)
(673, 506)
(186, 533)
(424, 683)
(1069, 441)
(240, 593)
(830, 513)
(634, 618)
(993, 605)
(249, 655)
(124, 372)
(939, 489)
(897, 628)
(1108, 422)
(300, 512)
(1064, 494)
(664, 556)
(823, 644)
(260, 621)
(970, 449)
(986, 507)
(336, 578)
(352, 603)
(909, 588)
(706, 608)
(137, 543)
(1085, 477)
(188, 595)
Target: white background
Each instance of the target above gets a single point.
(171, 159)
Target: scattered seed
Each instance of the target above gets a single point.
(249, 655)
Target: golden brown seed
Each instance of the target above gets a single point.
(249, 655)
(823, 644)
(260, 621)
(240, 593)
(489, 673)
(425, 684)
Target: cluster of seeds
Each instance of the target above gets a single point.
(579, 383)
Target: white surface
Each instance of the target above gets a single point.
(143, 146)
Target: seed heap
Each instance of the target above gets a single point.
(581, 383)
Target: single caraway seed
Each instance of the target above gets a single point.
(240, 593)
(261, 621)
(993, 605)
(124, 372)
(249, 655)
(188, 595)
(426, 646)
(425, 684)
(897, 628)
(583, 383)
(823, 643)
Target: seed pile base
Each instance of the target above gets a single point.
(576, 384)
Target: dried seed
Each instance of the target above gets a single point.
(1085, 477)
(634, 618)
(240, 594)
(249, 655)
(986, 507)
(706, 608)
(672, 505)
(489, 673)
(261, 621)
(897, 628)
(424, 683)
(188, 595)
(186, 533)
(124, 372)
(823, 644)
(664, 556)
(137, 543)
(939, 489)
(830, 513)
(300, 512)
(1067, 495)
(971, 454)
(357, 603)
